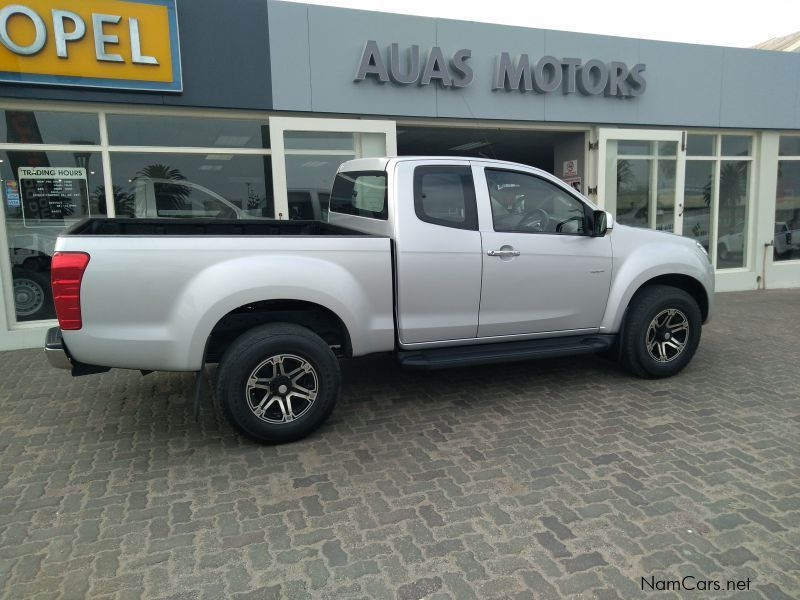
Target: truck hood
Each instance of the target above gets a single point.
(640, 236)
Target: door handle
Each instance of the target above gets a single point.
(503, 253)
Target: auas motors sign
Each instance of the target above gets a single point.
(522, 73)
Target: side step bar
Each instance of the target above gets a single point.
(483, 354)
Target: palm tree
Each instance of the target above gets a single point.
(732, 187)
(169, 196)
(124, 202)
(625, 176)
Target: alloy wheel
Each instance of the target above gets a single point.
(282, 388)
(667, 335)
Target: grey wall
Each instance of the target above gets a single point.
(315, 51)
(224, 55)
(570, 146)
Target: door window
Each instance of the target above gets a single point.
(524, 203)
(445, 195)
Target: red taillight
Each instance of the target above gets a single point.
(66, 273)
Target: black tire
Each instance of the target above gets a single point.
(33, 295)
(649, 303)
(291, 345)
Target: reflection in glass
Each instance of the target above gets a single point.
(316, 140)
(309, 179)
(667, 148)
(216, 186)
(734, 183)
(197, 132)
(787, 211)
(665, 195)
(789, 145)
(700, 145)
(46, 127)
(736, 145)
(633, 191)
(697, 197)
(42, 194)
(634, 147)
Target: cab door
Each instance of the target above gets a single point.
(438, 252)
(542, 271)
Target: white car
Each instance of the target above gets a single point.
(786, 239)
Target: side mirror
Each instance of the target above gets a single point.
(599, 223)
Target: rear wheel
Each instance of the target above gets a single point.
(277, 383)
(662, 332)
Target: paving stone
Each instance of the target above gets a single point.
(510, 486)
(561, 531)
(583, 562)
(419, 588)
(727, 521)
(735, 557)
(332, 550)
(552, 545)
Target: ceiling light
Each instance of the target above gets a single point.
(211, 167)
(314, 163)
(469, 146)
(219, 156)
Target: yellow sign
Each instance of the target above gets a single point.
(116, 44)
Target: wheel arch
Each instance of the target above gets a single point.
(687, 283)
(620, 301)
(315, 317)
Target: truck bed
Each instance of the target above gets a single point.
(154, 289)
(208, 227)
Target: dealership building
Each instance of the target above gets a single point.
(245, 109)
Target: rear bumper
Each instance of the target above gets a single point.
(56, 351)
(59, 357)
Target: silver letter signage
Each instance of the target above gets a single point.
(40, 37)
(520, 73)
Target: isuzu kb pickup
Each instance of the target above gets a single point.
(444, 261)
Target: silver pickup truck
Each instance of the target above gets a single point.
(444, 261)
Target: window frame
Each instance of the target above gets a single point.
(470, 200)
(588, 210)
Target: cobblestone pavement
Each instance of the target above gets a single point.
(563, 478)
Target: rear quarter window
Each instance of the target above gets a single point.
(360, 193)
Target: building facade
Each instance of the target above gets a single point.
(245, 109)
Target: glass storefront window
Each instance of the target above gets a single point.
(633, 191)
(189, 132)
(312, 159)
(732, 242)
(700, 144)
(48, 127)
(309, 179)
(736, 145)
(173, 185)
(634, 148)
(789, 146)
(667, 148)
(787, 210)
(314, 140)
(698, 194)
(43, 193)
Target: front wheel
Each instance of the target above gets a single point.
(277, 383)
(661, 333)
